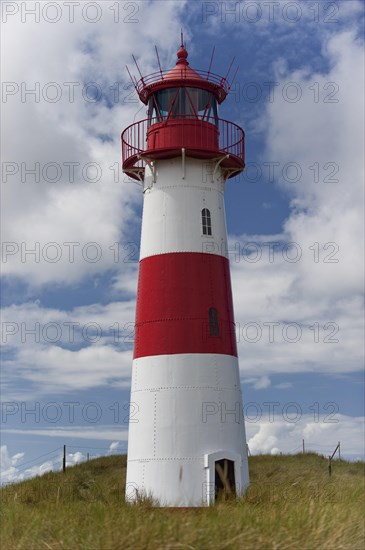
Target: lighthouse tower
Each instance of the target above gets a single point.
(187, 442)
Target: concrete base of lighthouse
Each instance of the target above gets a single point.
(187, 416)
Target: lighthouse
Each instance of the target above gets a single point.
(186, 443)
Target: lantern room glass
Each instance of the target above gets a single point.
(184, 102)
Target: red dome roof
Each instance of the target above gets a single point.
(182, 70)
(182, 75)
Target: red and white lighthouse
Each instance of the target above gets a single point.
(186, 434)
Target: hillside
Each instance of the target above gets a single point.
(292, 503)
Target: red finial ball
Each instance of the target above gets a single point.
(182, 54)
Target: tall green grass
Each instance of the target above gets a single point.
(292, 503)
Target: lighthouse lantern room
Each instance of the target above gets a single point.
(187, 443)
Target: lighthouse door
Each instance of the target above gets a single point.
(224, 482)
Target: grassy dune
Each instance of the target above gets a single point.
(292, 503)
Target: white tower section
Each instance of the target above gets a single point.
(172, 208)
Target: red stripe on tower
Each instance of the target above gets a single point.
(184, 305)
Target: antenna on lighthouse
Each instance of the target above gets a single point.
(226, 77)
(181, 38)
(234, 78)
(211, 60)
(136, 64)
(134, 82)
(158, 59)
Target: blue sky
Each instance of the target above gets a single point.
(295, 219)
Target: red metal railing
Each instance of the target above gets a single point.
(230, 139)
(182, 75)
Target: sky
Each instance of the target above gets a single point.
(71, 219)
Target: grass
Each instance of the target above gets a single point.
(292, 503)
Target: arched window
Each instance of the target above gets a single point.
(213, 322)
(206, 222)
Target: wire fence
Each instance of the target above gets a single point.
(54, 461)
(307, 447)
(64, 456)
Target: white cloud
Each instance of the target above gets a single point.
(64, 131)
(103, 433)
(44, 346)
(264, 441)
(322, 290)
(279, 434)
(275, 451)
(263, 382)
(53, 369)
(258, 383)
(57, 326)
(74, 458)
(8, 464)
(14, 469)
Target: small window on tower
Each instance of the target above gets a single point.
(206, 222)
(213, 322)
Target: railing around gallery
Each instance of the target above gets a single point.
(209, 134)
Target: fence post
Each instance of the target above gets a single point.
(64, 459)
(339, 450)
(330, 458)
(303, 446)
